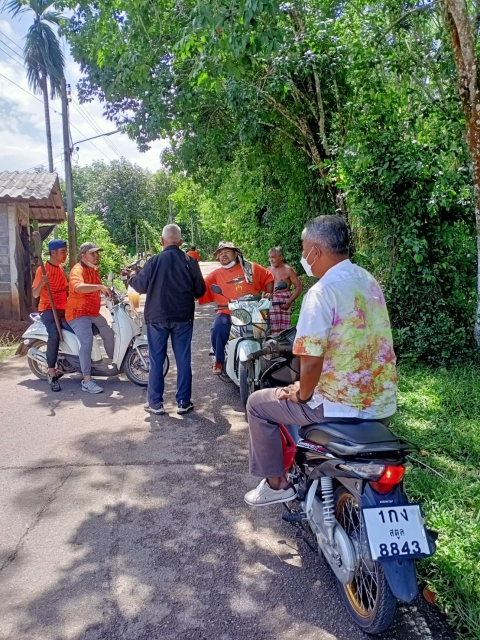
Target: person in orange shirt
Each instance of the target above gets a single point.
(57, 250)
(194, 253)
(83, 311)
(236, 277)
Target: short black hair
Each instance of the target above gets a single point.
(193, 249)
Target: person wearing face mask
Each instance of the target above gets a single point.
(236, 277)
(347, 362)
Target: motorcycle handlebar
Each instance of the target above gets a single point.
(270, 348)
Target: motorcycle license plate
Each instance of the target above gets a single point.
(396, 533)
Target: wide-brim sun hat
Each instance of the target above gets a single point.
(225, 245)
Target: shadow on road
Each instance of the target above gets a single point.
(142, 532)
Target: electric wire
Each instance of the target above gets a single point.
(105, 138)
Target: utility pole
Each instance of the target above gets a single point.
(72, 235)
(170, 212)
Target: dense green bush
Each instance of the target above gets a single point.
(91, 229)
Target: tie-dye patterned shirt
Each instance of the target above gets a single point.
(344, 319)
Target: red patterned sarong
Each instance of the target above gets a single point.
(279, 318)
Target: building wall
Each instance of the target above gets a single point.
(11, 216)
(6, 310)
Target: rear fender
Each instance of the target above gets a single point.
(400, 574)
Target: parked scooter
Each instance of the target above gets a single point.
(250, 327)
(130, 354)
(351, 503)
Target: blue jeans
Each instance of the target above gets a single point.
(181, 334)
(220, 335)
(53, 341)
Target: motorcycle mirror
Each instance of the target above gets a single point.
(216, 289)
(110, 277)
(281, 286)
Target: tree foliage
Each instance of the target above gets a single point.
(132, 203)
(90, 228)
(279, 112)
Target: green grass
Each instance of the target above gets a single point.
(439, 410)
(7, 347)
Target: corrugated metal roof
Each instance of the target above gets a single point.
(40, 190)
(18, 184)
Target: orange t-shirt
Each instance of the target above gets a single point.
(58, 285)
(83, 304)
(194, 254)
(233, 284)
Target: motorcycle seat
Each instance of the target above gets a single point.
(354, 437)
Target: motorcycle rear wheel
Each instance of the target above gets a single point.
(246, 378)
(134, 369)
(368, 598)
(39, 370)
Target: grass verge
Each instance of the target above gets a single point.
(7, 347)
(439, 410)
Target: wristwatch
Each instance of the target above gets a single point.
(300, 401)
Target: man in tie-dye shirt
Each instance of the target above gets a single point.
(347, 361)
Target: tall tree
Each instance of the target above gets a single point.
(43, 56)
(464, 49)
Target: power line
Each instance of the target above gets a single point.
(92, 123)
(29, 93)
(81, 133)
(12, 41)
(9, 47)
(97, 128)
(51, 108)
(44, 163)
(10, 56)
(54, 111)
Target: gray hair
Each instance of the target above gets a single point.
(172, 233)
(329, 232)
(277, 250)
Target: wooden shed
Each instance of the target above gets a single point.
(26, 201)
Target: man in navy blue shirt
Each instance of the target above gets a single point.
(172, 281)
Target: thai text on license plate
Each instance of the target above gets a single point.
(396, 532)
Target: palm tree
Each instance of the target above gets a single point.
(43, 56)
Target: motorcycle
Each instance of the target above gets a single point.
(351, 502)
(130, 354)
(250, 327)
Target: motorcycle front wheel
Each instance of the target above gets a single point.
(39, 370)
(246, 378)
(368, 597)
(137, 368)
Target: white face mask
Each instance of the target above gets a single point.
(229, 266)
(306, 266)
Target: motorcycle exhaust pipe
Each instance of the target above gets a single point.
(38, 356)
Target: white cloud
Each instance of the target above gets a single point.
(22, 126)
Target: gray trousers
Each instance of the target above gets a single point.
(264, 413)
(83, 328)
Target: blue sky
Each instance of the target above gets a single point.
(22, 125)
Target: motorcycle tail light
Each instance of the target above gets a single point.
(367, 470)
(389, 479)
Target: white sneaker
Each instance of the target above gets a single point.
(264, 495)
(91, 386)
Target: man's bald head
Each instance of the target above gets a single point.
(172, 235)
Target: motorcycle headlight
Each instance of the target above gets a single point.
(133, 314)
(241, 317)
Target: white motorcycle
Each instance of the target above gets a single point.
(250, 327)
(130, 354)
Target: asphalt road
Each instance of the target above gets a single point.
(118, 525)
